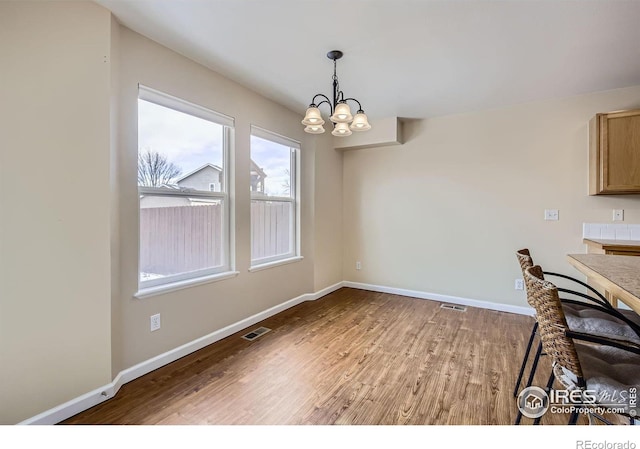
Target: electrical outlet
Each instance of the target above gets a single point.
(618, 214)
(551, 214)
(519, 285)
(358, 265)
(155, 322)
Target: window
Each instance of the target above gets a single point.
(274, 197)
(183, 186)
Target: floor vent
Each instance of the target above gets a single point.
(453, 307)
(256, 333)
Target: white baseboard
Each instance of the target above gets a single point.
(95, 397)
(442, 298)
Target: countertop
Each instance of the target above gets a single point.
(619, 275)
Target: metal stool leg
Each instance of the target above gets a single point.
(552, 377)
(573, 419)
(524, 360)
(533, 371)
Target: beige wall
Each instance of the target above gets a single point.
(54, 248)
(445, 212)
(194, 312)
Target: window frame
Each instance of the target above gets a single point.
(228, 125)
(293, 199)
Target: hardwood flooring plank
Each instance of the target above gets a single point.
(353, 357)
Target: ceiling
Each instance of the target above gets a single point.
(403, 58)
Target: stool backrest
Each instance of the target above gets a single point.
(543, 296)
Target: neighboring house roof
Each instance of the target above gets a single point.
(254, 168)
(191, 173)
(257, 170)
(164, 186)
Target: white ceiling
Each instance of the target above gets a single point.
(403, 58)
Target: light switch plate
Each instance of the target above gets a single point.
(551, 214)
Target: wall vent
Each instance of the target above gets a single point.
(453, 307)
(256, 333)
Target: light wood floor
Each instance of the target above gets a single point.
(352, 357)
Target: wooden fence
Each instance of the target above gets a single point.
(188, 238)
(270, 224)
(180, 239)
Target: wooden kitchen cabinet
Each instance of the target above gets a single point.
(614, 153)
(614, 247)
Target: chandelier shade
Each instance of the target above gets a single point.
(340, 113)
(313, 116)
(314, 129)
(360, 122)
(341, 130)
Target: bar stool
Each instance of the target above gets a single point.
(590, 314)
(582, 361)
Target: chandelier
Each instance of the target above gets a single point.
(343, 121)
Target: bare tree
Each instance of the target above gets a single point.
(154, 170)
(286, 185)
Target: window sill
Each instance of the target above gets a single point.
(275, 263)
(174, 286)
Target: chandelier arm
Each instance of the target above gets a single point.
(326, 101)
(353, 99)
(320, 95)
